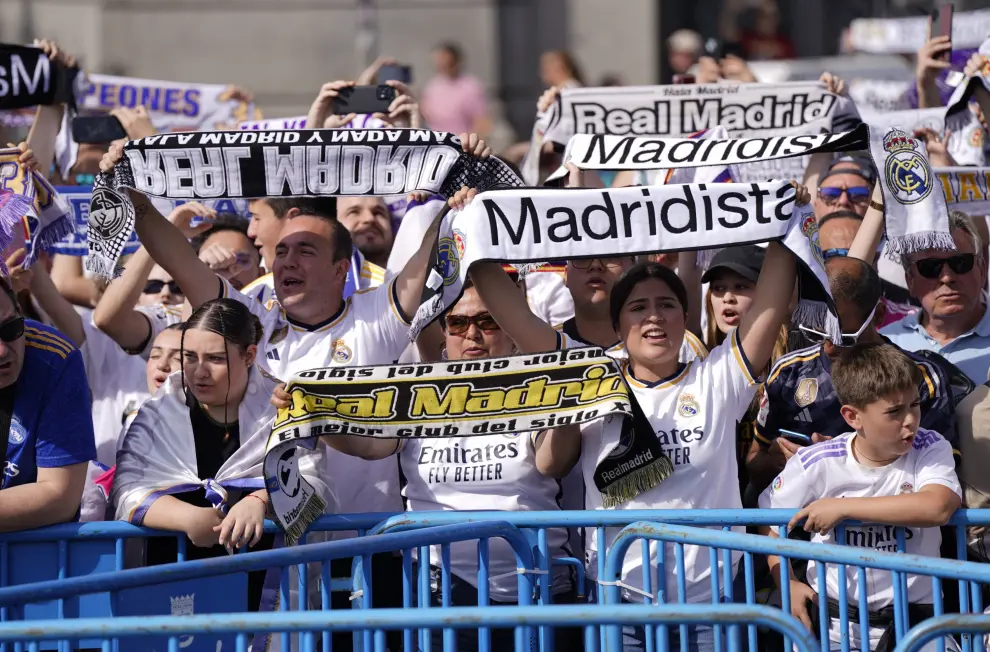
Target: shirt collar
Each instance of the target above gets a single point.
(982, 328)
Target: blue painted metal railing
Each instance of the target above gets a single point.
(454, 617)
(55, 552)
(940, 627)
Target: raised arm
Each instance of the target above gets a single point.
(981, 95)
(864, 245)
(507, 304)
(410, 281)
(58, 308)
(115, 314)
(760, 326)
(166, 242)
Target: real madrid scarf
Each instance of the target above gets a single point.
(906, 35)
(29, 78)
(745, 110)
(523, 226)
(28, 199)
(521, 393)
(247, 164)
(916, 216)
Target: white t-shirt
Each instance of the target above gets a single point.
(160, 317)
(118, 383)
(694, 416)
(486, 472)
(830, 470)
(368, 330)
(548, 296)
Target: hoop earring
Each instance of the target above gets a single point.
(443, 353)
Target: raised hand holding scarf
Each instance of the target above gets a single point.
(248, 164)
(27, 200)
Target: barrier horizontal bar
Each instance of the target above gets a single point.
(368, 520)
(454, 617)
(281, 557)
(826, 552)
(939, 626)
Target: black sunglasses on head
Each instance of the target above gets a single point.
(931, 268)
(12, 329)
(154, 287)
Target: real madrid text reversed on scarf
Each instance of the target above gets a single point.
(520, 393)
(300, 163)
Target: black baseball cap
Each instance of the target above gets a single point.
(744, 260)
(859, 164)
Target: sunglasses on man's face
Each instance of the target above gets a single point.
(155, 287)
(12, 329)
(931, 268)
(457, 324)
(847, 339)
(856, 194)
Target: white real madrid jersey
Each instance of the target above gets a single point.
(485, 472)
(117, 383)
(160, 316)
(830, 470)
(694, 416)
(369, 329)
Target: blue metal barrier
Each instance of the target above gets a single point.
(942, 626)
(454, 617)
(748, 543)
(61, 553)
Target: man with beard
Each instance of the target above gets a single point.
(370, 223)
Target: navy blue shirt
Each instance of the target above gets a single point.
(800, 397)
(52, 422)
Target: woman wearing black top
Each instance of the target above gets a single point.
(192, 459)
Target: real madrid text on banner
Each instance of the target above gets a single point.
(604, 152)
(520, 393)
(290, 163)
(745, 110)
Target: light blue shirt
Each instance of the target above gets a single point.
(970, 351)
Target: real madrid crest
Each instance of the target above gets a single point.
(806, 392)
(906, 171)
(809, 227)
(459, 243)
(687, 406)
(342, 353)
(448, 260)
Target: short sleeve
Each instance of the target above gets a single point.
(159, 318)
(257, 308)
(388, 333)
(728, 372)
(65, 433)
(793, 488)
(935, 463)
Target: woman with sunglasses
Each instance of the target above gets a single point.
(489, 472)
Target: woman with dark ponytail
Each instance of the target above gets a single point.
(192, 459)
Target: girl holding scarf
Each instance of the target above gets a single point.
(681, 452)
(191, 461)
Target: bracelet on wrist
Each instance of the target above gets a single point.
(263, 501)
(877, 205)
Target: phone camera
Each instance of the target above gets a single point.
(383, 92)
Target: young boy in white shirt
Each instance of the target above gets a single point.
(887, 472)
